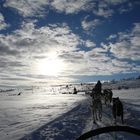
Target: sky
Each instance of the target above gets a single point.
(66, 41)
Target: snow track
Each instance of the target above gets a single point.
(131, 117)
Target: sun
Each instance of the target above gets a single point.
(50, 66)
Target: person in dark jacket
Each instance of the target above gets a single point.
(98, 87)
(75, 91)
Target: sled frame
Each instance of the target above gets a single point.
(108, 129)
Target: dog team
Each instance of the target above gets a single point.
(106, 97)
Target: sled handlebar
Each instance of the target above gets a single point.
(109, 129)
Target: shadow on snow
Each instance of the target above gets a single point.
(69, 126)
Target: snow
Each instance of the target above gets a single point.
(23, 114)
(40, 115)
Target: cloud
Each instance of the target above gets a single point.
(102, 8)
(113, 36)
(7, 63)
(126, 8)
(106, 8)
(40, 8)
(103, 12)
(88, 25)
(28, 8)
(97, 55)
(100, 63)
(73, 6)
(7, 51)
(29, 38)
(94, 62)
(127, 46)
(24, 48)
(90, 43)
(3, 24)
(115, 2)
(72, 56)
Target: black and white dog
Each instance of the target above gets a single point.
(117, 109)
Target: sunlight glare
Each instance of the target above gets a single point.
(51, 66)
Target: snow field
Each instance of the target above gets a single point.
(42, 116)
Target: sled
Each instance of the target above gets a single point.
(108, 129)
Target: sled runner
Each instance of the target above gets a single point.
(108, 129)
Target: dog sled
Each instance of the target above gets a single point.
(109, 129)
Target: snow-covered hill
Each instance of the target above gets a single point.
(123, 84)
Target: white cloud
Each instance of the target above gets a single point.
(115, 2)
(28, 8)
(35, 8)
(135, 41)
(3, 24)
(72, 6)
(136, 68)
(98, 55)
(126, 8)
(106, 9)
(27, 46)
(100, 63)
(21, 50)
(87, 25)
(100, 8)
(113, 36)
(128, 44)
(35, 44)
(124, 50)
(136, 29)
(90, 43)
(103, 12)
(57, 37)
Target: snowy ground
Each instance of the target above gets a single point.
(131, 103)
(44, 116)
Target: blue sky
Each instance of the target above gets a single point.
(58, 41)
